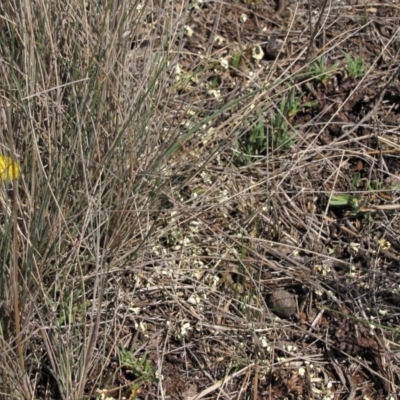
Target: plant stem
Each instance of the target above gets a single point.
(17, 315)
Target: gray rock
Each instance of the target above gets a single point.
(282, 303)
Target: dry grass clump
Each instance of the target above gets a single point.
(175, 181)
(86, 116)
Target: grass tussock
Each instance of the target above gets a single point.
(84, 115)
(172, 185)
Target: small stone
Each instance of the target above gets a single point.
(282, 303)
(273, 48)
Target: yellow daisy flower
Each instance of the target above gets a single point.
(9, 169)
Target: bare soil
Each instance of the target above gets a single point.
(208, 314)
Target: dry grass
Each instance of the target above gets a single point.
(169, 189)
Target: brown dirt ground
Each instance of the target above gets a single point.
(201, 304)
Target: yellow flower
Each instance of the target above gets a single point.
(9, 169)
